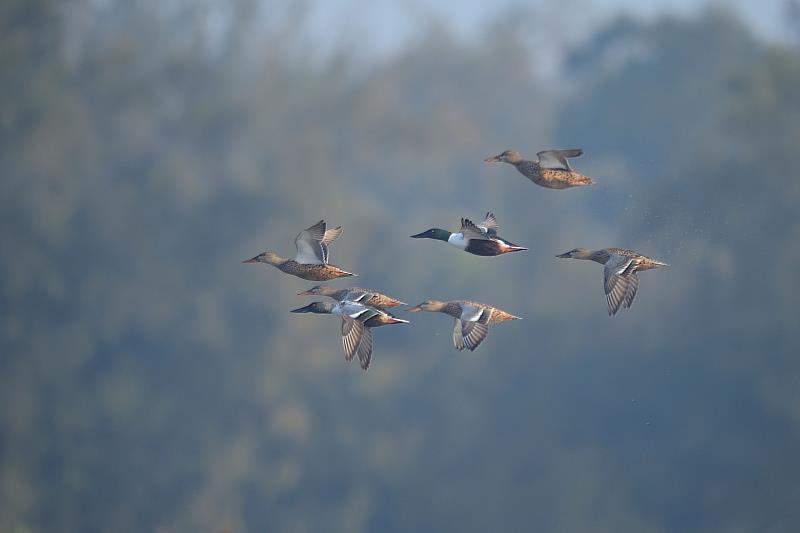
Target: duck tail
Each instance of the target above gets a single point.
(511, 247)
(516, 248)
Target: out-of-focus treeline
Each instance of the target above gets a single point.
(151, 382)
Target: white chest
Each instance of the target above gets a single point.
(458, 240)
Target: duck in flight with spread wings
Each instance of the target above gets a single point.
(311, 261)
(357, 323)
(621, 267)
(477, 239)
(550, 170)
(471, 319)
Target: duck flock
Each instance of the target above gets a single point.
(363, 309)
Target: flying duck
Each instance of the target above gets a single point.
(477, 239)
(621, 267)
(354, 294)
(472, 319)
(311, 261)
(357, 322)
(550, 170)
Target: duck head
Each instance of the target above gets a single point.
(266, 257)
(320, 308)
(319, 290)
(427, 305)
(433, 233)
(576, 253)
(509, 156)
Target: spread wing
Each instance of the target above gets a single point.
(312, 243)
(557, 159)
(331, 235)
(468, 334)
(633, 286)
(471, 231)
(364, 349)
(489, 225)
(621, 282)
(352, 334)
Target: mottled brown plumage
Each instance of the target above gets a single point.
(552, 170)
(471, 319)
(621, 281)
(311, 260)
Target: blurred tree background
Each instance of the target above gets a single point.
(151, 382)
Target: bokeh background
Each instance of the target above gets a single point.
(150, 382)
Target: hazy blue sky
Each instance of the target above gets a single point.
(389, 23)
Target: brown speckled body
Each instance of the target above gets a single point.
(643, 262)
(312, 272)
(453, 308)
(551, 178)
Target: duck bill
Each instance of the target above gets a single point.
(660, 264)
(492, 159)
(252, 260)
(419, 235)
(565, 255)
(306, 309)
(306, 293)
(415, 309)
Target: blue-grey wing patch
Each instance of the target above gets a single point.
(309, 245)
(557, 159)
(312, 243)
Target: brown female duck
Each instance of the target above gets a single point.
(311, 260)
(551, 170)
(621, 265)
(472, 319)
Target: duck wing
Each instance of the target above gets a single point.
(364, 349)
(471, 231)
(489, 225)
(352, 334)
(620, 283)
(557, 159)
(633, 286)
(468, 334)
(312, 243)
(471, 328)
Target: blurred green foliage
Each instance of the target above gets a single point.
(151, 382)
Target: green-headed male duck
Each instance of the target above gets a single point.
(357, 321)
(354, 294)
(621, 266)
(551, 170)
(472, 319)
(477, 239)
(311, 261)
